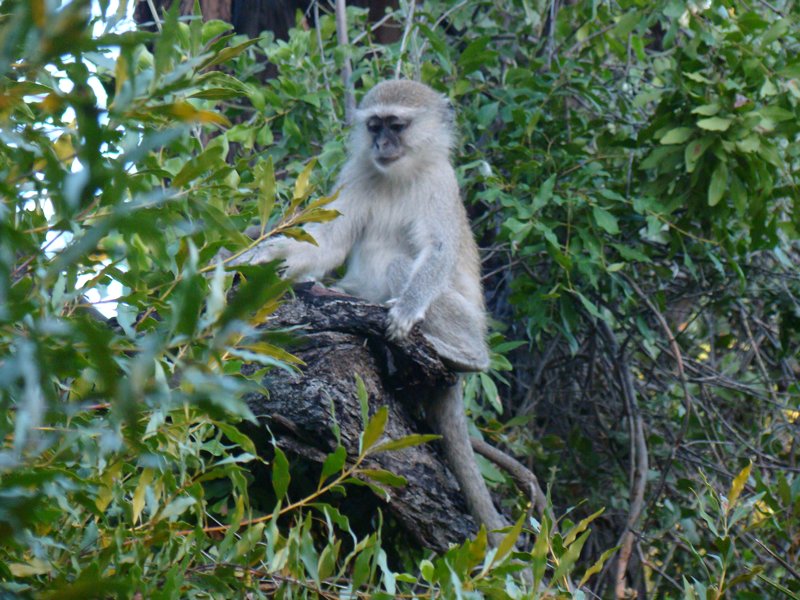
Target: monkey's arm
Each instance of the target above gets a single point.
(427, 278)
(304, 260)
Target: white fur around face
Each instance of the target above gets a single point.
(403, 231)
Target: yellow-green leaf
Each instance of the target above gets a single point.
(138, 494)
(598, 566)
(299, 234)
(301, 186)
(738, 485)
(120, 75)
(188, 113)
(405, 442)
(677, 135)
(265, 179)
(273, 351)
(374, 429)
(280, 474)
(580, 527)
(507, 544)
(707, 110)
(384, 476)
(714, 124)
(34, 566)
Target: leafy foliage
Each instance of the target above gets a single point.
(632, 163)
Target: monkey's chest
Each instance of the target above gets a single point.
(379, 262)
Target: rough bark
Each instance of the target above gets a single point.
(343, 337)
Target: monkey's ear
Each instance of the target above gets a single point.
(448, 111)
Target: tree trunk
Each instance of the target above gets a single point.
(343, 337)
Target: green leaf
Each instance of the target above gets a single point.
(715, 124)
(477, 55)
(383, 476)
(569, 558)
(777, 29)
(363, 398)
(543, 194)
(694, 152)
(262, 285)
(178, 506)
(627, 23)
(677, 136)
(427, 570)
(539, 553)
(605, 220)
(590, 306)
(280, 474)
(333, 463)
(228, 53)
(707, 110)
(327, 560)
(235, 435)
(265, 180)
(249, 539)
(752, 143)
(718, 184)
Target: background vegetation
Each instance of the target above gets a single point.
(632, 173)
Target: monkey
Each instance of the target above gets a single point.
(404, 234)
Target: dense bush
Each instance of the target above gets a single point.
(632, 173)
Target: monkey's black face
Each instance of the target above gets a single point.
(387, 143)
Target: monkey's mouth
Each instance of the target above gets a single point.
(385, 161)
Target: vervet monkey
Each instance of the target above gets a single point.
(405, 235)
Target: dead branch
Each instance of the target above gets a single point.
(638, 461)
(523, 477)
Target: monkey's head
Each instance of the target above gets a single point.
(401, 125)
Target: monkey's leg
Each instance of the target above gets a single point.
(446, 413)
(454, 328)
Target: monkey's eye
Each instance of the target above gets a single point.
(397, 127)
(374, 127)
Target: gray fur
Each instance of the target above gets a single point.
(406, 237)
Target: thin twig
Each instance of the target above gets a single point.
(322, 58)
(154, 12)
(445, 15)
(523, 476)
(794, 572)
(580, 43)
(757, 352)
(551, 33)
(373, 27)
(687, 398)
(412, 5)
(347, 68)
(639, 458)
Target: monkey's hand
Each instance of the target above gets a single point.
(401, 320)
(263, 252)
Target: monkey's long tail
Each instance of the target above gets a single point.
(446, 412)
